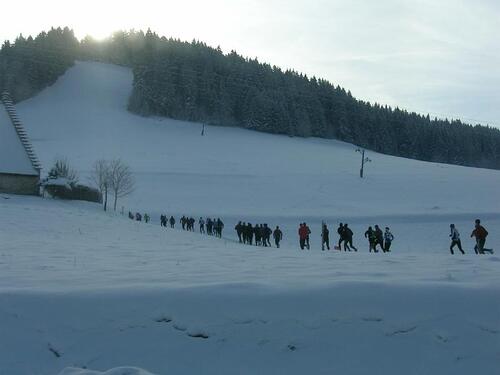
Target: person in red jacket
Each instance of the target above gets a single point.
(480, 233)
(307, 237)
(303, 234)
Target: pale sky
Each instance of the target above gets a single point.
(440, 57)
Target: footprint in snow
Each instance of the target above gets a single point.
(180, 327)
(372, 319)
(163, 319)
(197, 333)
(243, 321)
(489, 330)
(54, 351)
(441, 338)
(402, 331)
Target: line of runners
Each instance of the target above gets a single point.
(260, 234)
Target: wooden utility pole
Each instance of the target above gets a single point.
(363, 161)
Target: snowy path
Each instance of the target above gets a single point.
(55, 245)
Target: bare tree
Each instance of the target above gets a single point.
(121, 179)
(101, 177)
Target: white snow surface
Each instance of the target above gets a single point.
(115, 371)
(236, 172)
(88, 292)
(13, 156)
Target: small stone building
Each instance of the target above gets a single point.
(19, 166)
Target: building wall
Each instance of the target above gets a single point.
(19, 184)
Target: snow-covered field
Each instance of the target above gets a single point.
(86, 289)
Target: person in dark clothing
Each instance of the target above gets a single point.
(302, 235)
(146, 218)
(220, 227)
(209, 226)
(215, 228)
(370, 235)
(238, 231)
(455, 239)
(325, 237)
(172, 222)
(138, 216)
(191, 224)
(480, 233)
(201, 222)
(348, 237)
(183, 222)
(388, 238)
(340, 231)
(163, 220)
(130, 215)
(249, 231)
(258, 235)
(243, 229)
(379, 238)
(266, 235)
(278, 236)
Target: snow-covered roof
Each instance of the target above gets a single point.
(60, 181)
(16, 152)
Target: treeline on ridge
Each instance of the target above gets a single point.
(28, 65)
(195, 82)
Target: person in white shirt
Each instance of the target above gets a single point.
(455, 239)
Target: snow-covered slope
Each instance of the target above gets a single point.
(233, 171)
(84, 289)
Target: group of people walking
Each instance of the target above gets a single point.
(375, 237)
(212, 227)
(479, 233)
(261, 233)
(164, 221)
(378, 238)
(138, 217)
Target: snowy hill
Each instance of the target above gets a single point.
(83, 289)
(84, 117)
(243, 175)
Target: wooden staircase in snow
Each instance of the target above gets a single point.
(21, 132)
